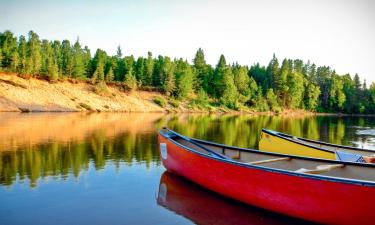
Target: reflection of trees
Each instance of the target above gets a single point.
(244, 130)
(133, 139)
(62, 159)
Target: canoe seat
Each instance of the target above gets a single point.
(268, 161)
(320, 169)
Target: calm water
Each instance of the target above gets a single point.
(105, 169)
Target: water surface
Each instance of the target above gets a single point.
(103, 168)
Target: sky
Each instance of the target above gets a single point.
(336, 33)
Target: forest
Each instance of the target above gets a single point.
(282, 84)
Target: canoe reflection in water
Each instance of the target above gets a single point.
(202, 206)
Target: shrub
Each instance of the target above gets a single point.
(160, 101)
(86, 106)
(174, 103)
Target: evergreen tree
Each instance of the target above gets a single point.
(140, 69)
(261, 76)
(67, 59)
(8, 45)
(218, 79)
(230, 94)
(130, 80)
(295, 89)
(184, 79)
(110, 75)
(149, 69)
(280, 79)
(99, 72)
(168, 77)
(79, 70)
(119, 52)
(312, 93)
(273, 72)
(336, 94)
(272, 100)
(14, 61)
(34, 54)
(201, 70)
(22, 52)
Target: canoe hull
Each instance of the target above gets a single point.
(270, 143)
(317, 200)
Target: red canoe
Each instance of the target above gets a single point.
(318, 190)
(205, 207)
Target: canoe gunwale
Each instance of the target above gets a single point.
(290, 138)
(269, 169)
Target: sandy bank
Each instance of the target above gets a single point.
(19, 94)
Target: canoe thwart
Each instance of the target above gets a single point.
(268, 161)
(320, 169)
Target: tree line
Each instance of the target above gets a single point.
(286, 84)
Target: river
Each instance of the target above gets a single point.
(104, 168)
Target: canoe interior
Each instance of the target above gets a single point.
(293, 164)
(327, 146)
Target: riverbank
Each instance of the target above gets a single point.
(30, 94)
(19, 94)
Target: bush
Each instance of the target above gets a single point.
(174, 103)
(160, 101)
(101, 88)
(86, 106)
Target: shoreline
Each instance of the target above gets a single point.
(28, 94)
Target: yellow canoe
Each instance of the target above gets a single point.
(272, 141)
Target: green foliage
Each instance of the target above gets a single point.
(110, 75)
(202, 99)
(160, 101)
(293, 84)
(311, 96)
(131, 81)
(271, 99)
(99, 72)
(184, 79)
(167, 76)
(174, 103)
(230, 94)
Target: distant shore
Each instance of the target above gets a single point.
(30, 94)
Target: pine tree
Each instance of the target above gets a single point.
(14, 61)
(22, 52)
(184, 79)
(119, 52)
(230, 94)
(130, 80)
(201, 70)
(78, 61)
(67, 59)
(34, 53)
(99, 72)
(110, 75)
(273, 72)
(149, 68)
(218, 80)
(168, 77)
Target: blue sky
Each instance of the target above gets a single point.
(337, 33)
